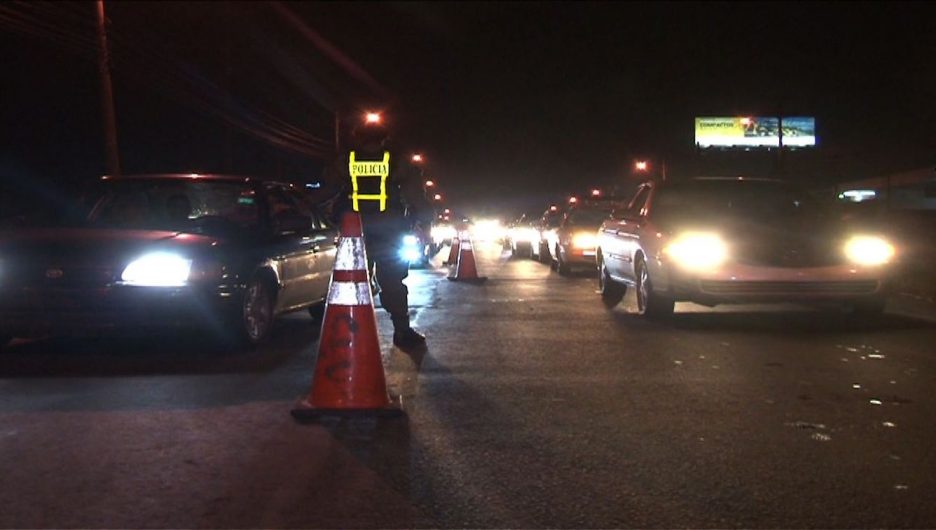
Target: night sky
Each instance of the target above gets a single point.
(506, 100)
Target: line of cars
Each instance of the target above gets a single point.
(149, 253)
(718, 241)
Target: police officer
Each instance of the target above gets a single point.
(386, 190)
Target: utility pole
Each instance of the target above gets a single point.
(107, 95)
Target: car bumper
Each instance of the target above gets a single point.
(754, 284)
(114, 309)
(577, 256)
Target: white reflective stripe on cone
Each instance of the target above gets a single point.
(351, 255)
(349, 293)
(466, 244)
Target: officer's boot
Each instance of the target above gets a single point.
(405, 337)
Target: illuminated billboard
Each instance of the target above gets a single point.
(752, 131)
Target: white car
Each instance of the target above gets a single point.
(738, 240)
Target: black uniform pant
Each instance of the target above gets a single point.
(383, 239)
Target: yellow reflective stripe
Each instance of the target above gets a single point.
(369, 168)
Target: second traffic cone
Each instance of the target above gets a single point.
(453, 252)
(349, 375)
(466, 269)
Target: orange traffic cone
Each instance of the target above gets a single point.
(453, 252)
(349, 375)
(466, 270)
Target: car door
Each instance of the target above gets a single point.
(324, 241)
(293, 247)
(623, 235)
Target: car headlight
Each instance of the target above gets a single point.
(525, 235)
(697, 250)
(584, 240)
(159, 269)
(442, 232)
(410, 240)
(869, 250)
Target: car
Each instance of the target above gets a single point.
(523, 237)
(572, 245)
(155, 252)
(442, 233)
(737, 241)
(547, 227)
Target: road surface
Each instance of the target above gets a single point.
(535, 406)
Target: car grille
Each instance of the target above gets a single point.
(35, 275)
(781, 288)
(791, 256)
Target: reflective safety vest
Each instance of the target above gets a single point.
(369, 169)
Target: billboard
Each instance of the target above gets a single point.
(753, 131)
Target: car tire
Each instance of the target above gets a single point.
(317, 311)
(562, 267)
(650, 303)
(257, 312)
(611, 291)
(544, 256)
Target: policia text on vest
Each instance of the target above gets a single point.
(368, 169)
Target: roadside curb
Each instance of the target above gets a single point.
(912, 306)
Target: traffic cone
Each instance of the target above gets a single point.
(466, 270)
(349, 375)
(453, 252)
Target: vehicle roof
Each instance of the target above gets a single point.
(195, 176)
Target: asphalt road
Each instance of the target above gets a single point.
(534, 407)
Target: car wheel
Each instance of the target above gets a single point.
(257, 311)
(649, 303)
(611, 291)
(562, 266)
(544, 256)
(317, 311)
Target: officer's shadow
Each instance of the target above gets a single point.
(402, 373)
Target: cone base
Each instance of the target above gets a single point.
(480, 279)
(304, 412)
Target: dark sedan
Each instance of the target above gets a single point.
(221, 254)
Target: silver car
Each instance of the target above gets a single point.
(738, 240)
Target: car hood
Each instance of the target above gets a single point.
(95, 245)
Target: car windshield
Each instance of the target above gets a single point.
(752, 200)
(197, 206)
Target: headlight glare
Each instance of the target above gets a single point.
(410, 240)
(159, 269)
(584, 240)
(869, 251)
(697, 250)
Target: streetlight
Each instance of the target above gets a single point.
(573, 200)
(437, 197)
(641, 165)
(596, 192)
(372, 118)
(430, 183)
(417, 158)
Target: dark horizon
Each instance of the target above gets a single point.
(505, 100)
